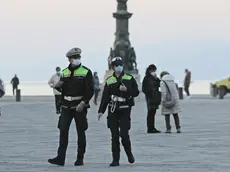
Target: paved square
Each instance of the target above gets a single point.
(28, 137)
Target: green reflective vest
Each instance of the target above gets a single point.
(81, 71)
(112, 79)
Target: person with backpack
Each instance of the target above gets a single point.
(170, 101)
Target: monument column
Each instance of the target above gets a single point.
(122, 46)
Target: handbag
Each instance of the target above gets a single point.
(169, 102)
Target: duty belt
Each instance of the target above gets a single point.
(69, 98)
(117, 99)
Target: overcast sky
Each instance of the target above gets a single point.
(173, 34)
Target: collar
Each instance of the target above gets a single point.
(119, 78)
(72, 68)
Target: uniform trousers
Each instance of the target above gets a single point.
(119, 124)
(67, 115)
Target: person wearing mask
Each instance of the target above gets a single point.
(150, 87)
(187, 81)
(96, 87)
(15, 83)
(57, 95)
(77, 88)
(118, 94)
(170, 101)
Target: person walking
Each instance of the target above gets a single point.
(15, 83)
(77, 88)
(150, 87)
(57, 95)
(170, 101)
(118, 94)
(187, 82)
(96, 87)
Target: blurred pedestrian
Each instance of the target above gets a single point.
(96, 87)
(15, 83)
(187, 82)
(57, 95)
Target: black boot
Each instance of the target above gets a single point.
(79, 161)
(116, 158)
(57, 161)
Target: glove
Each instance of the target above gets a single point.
(99, 116)
(123, 88)
(80, 106)
(58, 84)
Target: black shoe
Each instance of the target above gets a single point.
(131, 159)
(168, 131)
(58, 112)
(178, 130)
(114, 164)
(79, 162)
(56, 161)
(153, 131)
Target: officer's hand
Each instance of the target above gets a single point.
(99, 116)
(58, 84)
(123, 88)
(80, 106)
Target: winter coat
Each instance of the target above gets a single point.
(96, 83)
(15, 81)
(187, 79)
(150, 87)
(169, 80)
(53, 80)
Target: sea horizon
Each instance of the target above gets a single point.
(41, 88)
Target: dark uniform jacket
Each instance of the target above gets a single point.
(150, 87)
(111, 88)
(78, 82)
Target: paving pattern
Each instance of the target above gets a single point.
(28, 137)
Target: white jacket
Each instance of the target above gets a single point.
(172, 87)
(53, 80)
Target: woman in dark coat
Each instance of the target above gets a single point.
(150, 87)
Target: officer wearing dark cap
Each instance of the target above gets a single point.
(77, 88)
(119, 92)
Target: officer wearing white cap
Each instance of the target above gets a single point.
(119, 92)
(77, 88)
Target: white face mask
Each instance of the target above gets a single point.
(153, 74)
(118, 69)
(76, 62)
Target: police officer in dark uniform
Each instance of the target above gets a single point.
(119, 92)
(76, 85)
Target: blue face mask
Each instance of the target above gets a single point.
(118, 69)
(58, 73)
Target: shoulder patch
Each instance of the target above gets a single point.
(111, 80)
(85, 67)
(109, 77)
(127, 77)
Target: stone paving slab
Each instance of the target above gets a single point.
(28, 137)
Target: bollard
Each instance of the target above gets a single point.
(18, 95)
(180, 91)
(213, 90)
